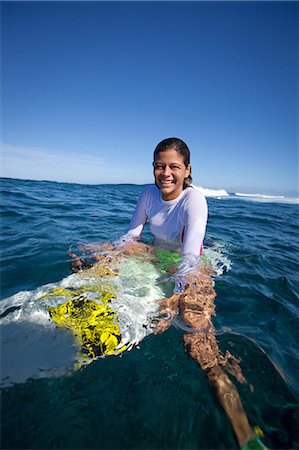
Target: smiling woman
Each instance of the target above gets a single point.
(172, 169)
(177, 214)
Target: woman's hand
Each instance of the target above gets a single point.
(169, 308)
(136, 249)
(77, 263)
(95, 247)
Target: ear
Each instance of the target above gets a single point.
(188, 171)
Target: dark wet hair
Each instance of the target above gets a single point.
(182, 148)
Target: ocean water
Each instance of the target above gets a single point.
(153, 397)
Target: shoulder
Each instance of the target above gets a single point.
(195, 202)
(193, 194)
(149, 193)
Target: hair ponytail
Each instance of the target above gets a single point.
(187, 182)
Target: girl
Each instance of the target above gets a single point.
(177, 213)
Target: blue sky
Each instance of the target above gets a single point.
(90, 88)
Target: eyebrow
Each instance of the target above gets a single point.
(170, 164)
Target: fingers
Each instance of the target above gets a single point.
(167, 303)
(95, 247)
(168, 313)
(72, 254)
(136, 248)
(77, 263)
(160, 326)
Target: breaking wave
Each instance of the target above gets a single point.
(222, 193)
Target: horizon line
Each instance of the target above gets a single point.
(291, 194)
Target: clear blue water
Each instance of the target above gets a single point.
(156, 397)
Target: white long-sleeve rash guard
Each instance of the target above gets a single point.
(178, 225)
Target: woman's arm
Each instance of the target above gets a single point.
(126, 243)
(195, 222)
(139, 217)
(137, 222)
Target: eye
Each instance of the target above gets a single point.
(175, 167)
(158, 166)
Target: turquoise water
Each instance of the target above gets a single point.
(154, 397)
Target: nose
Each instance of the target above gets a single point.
(167, 170)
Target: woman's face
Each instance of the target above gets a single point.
(170, 172)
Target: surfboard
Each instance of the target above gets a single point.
(104, 310)
(101, 311)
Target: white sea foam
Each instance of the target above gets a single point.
(212, 192)
(136, 302)
(216, 255)
(222, 193)
(259, 195)
(266, 198)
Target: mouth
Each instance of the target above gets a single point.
(166, 182)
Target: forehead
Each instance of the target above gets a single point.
(170, 155)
